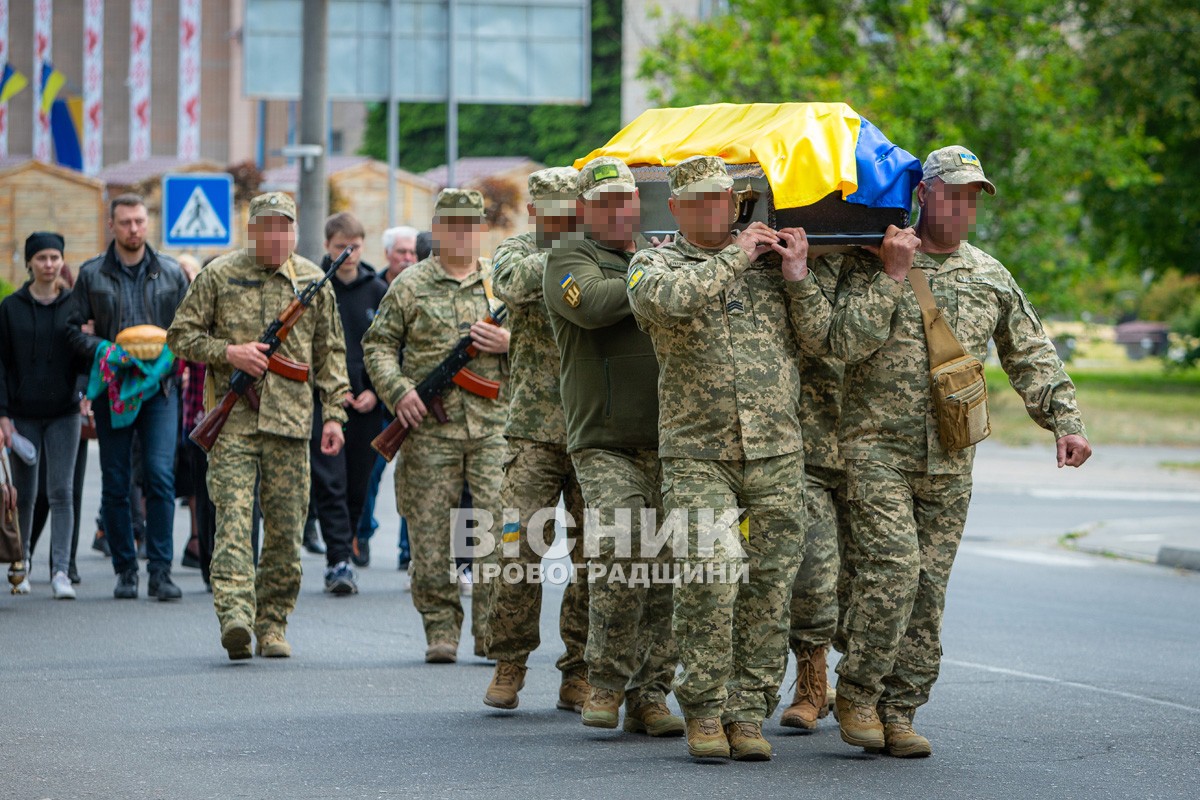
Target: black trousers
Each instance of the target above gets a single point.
(339, 483)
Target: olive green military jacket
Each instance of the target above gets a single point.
(232, 301)
(821, 380)
(887, 408)
(609, 375)
(535, 411)
(424, 313)
(726, 333)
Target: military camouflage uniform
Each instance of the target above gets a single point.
(426, 312)
(537, 468)
(726, 335)
(908, 496)
(607, 382)
(817, 589)
(232, 301)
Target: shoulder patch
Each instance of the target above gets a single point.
(570, 291)
(635, 277)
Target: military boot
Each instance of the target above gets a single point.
(746, 742)
(441, 653)
(653, 719)
(809, 701)
(903, 742)
(573, 692)
(602, 708)
(271, 644)
(507, 680)
(706, 739)
(860, 724)
(235, 638)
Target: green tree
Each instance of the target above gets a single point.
(553, 134)
(1003, 77)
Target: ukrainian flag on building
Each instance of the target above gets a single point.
(66, 118)
(11, 83)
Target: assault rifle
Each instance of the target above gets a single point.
(452, 370)
(241, 384)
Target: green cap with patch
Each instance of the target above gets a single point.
(273, 203)
(699, 175)
(956, 165)
(605, 174)
(458, 203)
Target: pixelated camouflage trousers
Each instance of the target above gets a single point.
(536, 474)
(732, 635)
(429, 484)
(261, 597)
(630, 647)
(817, 590)
(906, 528)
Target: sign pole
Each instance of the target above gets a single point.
(451, 94)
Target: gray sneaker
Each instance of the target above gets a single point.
(340, 579)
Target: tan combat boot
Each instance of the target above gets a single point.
(812, 684)
(507, 680)
(746, 742)
(654, 719)
(705, 739)
(235, 638)
(441, 653)
(272, 645)
(573, 692)
(904, 742)
(602, 708)
(860, 724)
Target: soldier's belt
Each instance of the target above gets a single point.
(286, 368)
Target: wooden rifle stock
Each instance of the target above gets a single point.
(208, 429)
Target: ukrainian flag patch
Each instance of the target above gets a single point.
(570, 290)
(969, 159)
(511, 532)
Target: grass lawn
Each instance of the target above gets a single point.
(1134, 402)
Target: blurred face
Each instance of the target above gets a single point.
(45, 265)
(272, 239)
(403, 253)
(948, 210)
(553, 222)
(704, 217)
(611, 218)
(128, 226)
(457, 238)
(340, 242)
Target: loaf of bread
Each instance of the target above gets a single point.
(143, 341)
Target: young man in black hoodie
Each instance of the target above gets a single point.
(340, 482)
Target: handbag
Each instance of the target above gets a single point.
(956, 378)
(11, 550)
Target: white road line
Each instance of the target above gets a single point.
(1032, 557)
(1072, 684)
(1121, 495)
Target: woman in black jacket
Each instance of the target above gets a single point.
(39, 398)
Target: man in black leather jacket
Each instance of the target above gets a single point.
(127, 285)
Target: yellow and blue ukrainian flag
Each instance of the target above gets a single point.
(65, 127)
(11, 83)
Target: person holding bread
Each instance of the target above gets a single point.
(127, 286)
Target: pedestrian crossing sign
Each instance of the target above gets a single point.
(197, 210)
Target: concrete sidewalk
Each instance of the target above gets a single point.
(1114, 471)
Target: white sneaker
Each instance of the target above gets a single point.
(60, 584)
(23, 587)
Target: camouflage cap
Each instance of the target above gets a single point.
(273, 203)
(956, 165)
(458, 203)
(553, 184)
(605, 174)
(699, 174)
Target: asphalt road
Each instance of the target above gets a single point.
(1065, 676)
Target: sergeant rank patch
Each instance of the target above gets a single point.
(634, 277)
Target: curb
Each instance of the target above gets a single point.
(1179, 557)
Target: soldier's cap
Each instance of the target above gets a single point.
(459, 203)
(956, 165)
(554, 190)
(698, 175)
(605, 174)
(273, 203)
